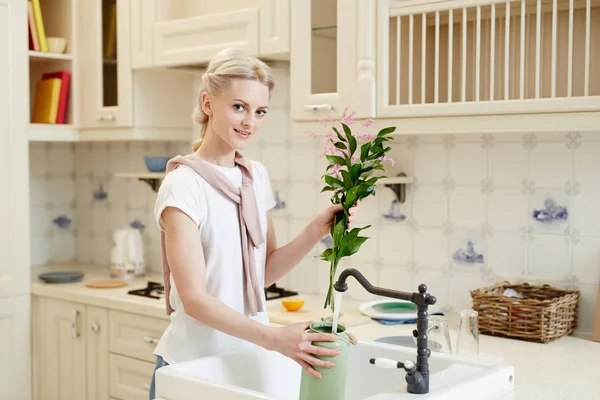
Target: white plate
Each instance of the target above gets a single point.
(377, 309)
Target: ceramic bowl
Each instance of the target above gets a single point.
(156, 164)
(56, 44)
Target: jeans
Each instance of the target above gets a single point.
(159, 364)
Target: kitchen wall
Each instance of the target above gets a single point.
(483, 208)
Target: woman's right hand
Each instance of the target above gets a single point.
(294, 342)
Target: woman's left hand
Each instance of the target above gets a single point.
(323, 219)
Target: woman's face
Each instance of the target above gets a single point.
(237, 114)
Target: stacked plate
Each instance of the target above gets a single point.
(61, 277)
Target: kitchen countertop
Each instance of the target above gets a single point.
(563, 369)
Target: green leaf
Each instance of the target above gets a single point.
(338, 135)
(327, 189)
(349, 248)
(327, 255)
(372, 181)
(336, 159)
(387, 149)
(340, 145)
(339, 229)
(351, 139)
(347, 179)
(355, 172)
(351, 197)
(334, 182)
(364, 151)
(386, 131)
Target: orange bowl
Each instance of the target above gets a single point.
(292, 304)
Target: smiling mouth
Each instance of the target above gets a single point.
(243, 133)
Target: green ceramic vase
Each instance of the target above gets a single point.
(332, 385)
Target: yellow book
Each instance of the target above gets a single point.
(39, 23)
(47, 95)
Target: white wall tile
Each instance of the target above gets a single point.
(467, 207)
(508, 164)
(119, 157)
(302, 167)
(62, 190)
(355, 289)
(303, 278)
(468, 163)
(587, 217)
(368, 250)
(395, 244)
(551, 164)
(506, 254)
(549, 257)
(38, 191)
(587, 165)
(460, 284)
(303, 199)
(276, 161)
(430, 248)
(403, 159)
(586, 260)
(468, 250)
(101, 161)
(430, 206)
(137, 194)
(437, 285)
(60, 159)
(587, 307)
(275, 128)
(507, 209)
(549, 206)
(397, 278)
(38, 159)
(280, 96)
(430, 163)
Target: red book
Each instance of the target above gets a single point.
(63, 100)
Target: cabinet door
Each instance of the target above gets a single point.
(97, 353)
(143, 14)
(104, 64)
(333, 62)
(15, 328)
(14, 164)
(275, 28)
(63, 350)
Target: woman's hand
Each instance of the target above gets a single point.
(323, 219)
(294, 342)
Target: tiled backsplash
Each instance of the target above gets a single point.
(522, 207)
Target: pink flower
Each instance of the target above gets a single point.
(365, 136)
(384, 159)
(367, 123)
(347, 118)
(311, 133)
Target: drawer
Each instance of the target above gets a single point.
(134, 335)
(129, 378)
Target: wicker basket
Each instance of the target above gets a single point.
(543, 314)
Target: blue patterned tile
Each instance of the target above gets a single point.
(62, 221)
(137, 224)
(468, 255)
(551, 212)
(100, 194)
(394, 213)
(279, 204)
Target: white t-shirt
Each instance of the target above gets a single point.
(218, 226)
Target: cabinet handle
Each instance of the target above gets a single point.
(317, 107)
(110, 117)
(147, 387)
(95, 328)
(150, 340)
(74, 317)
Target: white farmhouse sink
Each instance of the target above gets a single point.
(255, 373)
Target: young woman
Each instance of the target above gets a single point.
(219, 245)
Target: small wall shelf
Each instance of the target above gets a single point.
(151, 178)
(397, 185)
(44, 56)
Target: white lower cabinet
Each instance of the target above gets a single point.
(88, 352)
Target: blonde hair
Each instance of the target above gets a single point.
(227, 65)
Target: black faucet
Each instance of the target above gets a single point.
(417, 376)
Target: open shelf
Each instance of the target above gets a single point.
(52, 133)
(397, 185)
(40, 56)
(151, 178)
(396, 180)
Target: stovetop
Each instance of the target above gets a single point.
(156, 290)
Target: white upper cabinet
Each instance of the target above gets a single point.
(143, 15)
(188, 32)
(486, 58)
(104, 61)
(332, 58)
(274, 23)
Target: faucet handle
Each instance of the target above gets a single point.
(380, 362)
